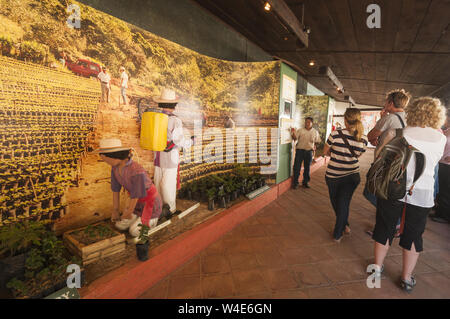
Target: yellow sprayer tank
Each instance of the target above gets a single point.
(154, 130)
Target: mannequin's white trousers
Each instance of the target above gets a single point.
(166, 183)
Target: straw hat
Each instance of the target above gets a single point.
(111, 145)
(167, 96)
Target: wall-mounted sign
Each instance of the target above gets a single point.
(287, 109)
(289, 88)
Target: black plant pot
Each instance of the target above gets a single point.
(223, 203)
(234, 195)
(227, 198)
(142, 251)
(211, 204)
(189, 195)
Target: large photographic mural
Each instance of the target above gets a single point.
(51, 113)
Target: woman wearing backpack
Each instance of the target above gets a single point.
(342, 174)
(424, 116)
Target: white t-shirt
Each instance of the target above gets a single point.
(431, 143)
(124, 78)
(104, 77)
(386, 123)
(307, 138)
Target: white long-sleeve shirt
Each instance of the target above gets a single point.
(431, 143)
(175, 134)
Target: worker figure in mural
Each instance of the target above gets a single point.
(307, 138)
(123, 85)
(229, 123)
(145, 205)
(167, 162)
(105, 80)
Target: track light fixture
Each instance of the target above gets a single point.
(350, 100)
(325, 70)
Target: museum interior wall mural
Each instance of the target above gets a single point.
(51, 113)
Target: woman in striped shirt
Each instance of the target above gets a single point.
(342, 174)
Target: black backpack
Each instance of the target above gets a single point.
(386, 177)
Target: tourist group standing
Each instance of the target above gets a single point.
(417, 126)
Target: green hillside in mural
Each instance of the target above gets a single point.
(36, 31)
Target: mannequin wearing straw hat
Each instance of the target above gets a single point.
(145, 205)
(166, 163)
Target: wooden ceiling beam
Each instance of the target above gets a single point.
(285, 13)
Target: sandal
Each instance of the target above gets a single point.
(408, 285)
(347, 230)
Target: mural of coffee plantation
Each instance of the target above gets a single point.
(51, 119)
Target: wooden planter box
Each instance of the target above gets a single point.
(93, 252)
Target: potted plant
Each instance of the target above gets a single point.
(221, 196)
(143, 244)
(15, 241)
(211, 194)
(45, 269)
(189, 191)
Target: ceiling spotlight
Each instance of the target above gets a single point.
(267, 6)
(307, 29)
(312, 63)
(326, 71)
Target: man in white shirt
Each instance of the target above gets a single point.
(396, 101)
(123, 85)
(392, 117)
(105, 80)
(307, 137)
(166, 177)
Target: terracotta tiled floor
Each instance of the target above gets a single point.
(286, 251)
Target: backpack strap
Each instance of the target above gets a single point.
(342, 136)
(420, 167)
(400, 119)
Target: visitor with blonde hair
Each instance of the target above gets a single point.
(394, 117)
(424, 116)
(342, 174)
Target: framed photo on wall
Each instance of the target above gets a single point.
(287, 109)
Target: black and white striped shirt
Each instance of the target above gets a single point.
(342, 162)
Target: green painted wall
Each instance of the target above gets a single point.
(284, 150)
(312, 90)
(186, 23)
